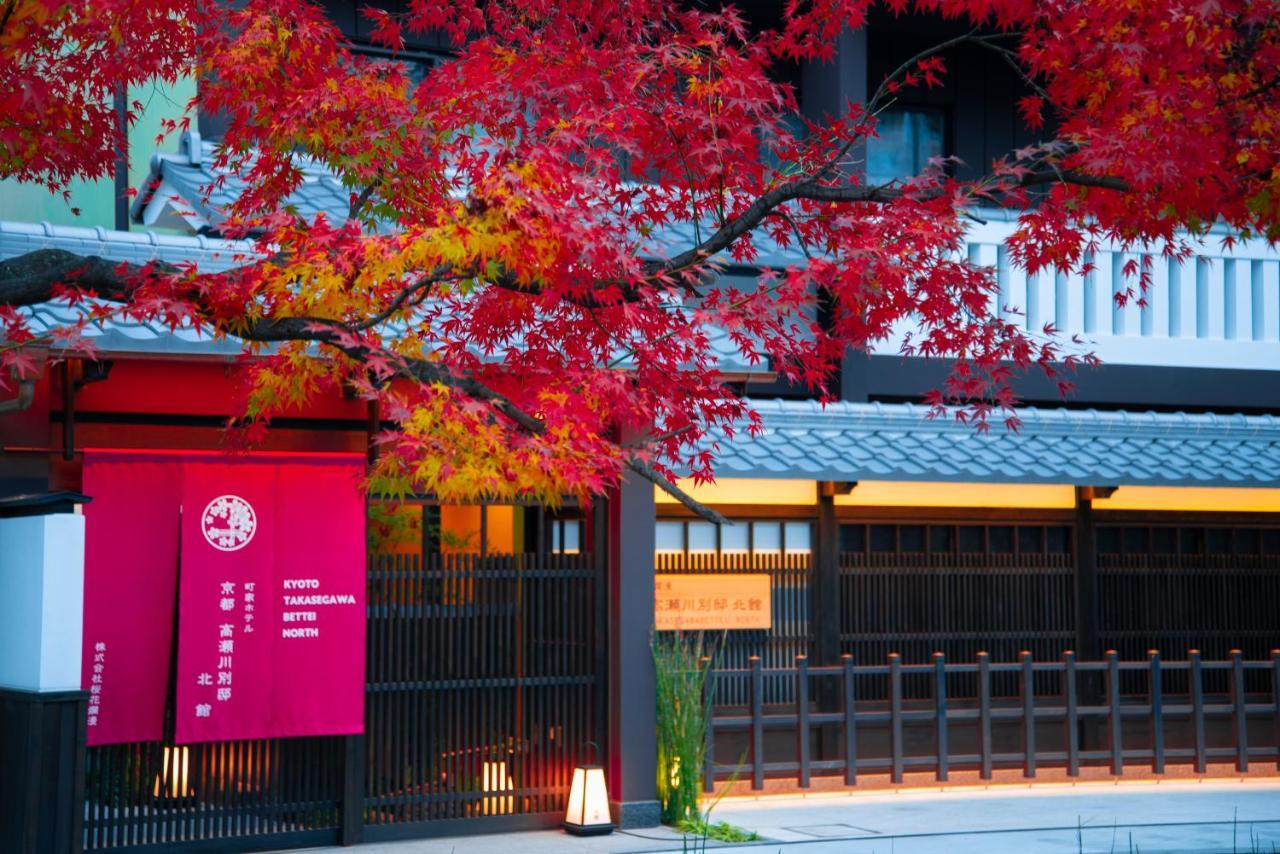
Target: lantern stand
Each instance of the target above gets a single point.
(588, 811)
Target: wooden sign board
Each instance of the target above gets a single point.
(711, 601)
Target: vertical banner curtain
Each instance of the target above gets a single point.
(271, 618)
(130, 575)
(264, 555)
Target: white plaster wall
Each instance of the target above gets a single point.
(41, 602)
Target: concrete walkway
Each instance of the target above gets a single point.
(1241, 817)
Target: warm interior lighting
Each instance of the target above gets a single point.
(745, 490)
(883, 493)
(460, 528)
(1189, 498)
(588, 811)
(171, 782)
(494, 778)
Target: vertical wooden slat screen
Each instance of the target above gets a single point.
(941, 595)
(789, 578)
(474, 665)
(482, 685)
(1175, 586)
(286, 789)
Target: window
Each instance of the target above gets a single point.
(907, 137)
(766, 538)
(735, 539)
(566, 536)
(669, 538)
(797, 537)
(702, 538)
(742, 537)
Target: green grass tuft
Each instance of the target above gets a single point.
(720, 830)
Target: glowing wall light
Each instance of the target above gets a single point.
(171, 782)
(494, 778)
(1192, 498)
(884, 493)
(745, 490)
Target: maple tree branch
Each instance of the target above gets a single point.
(358, 203)
(655, 477)
(8, 13)
(1070, 176)
(330, 333)
(808, 188)
(32, 278)
(805, 188)
(423, 283)
(1010, 59)
(299, 328)
(874, 100)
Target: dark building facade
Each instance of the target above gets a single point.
(508, 644)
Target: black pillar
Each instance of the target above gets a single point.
(824, 615)
(42, 742)
(827, 89)
(632, 765)
(1086, 586)
(1088, 644)
(824, 582)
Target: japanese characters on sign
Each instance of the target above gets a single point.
(99, 665)
(130, 576)
(271, 604)
(270, 595)
(706, 601)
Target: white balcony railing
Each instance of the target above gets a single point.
(1218, 310)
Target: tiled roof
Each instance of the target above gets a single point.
(174, 196)
(855, 441)
(209, 254)
(138, 247)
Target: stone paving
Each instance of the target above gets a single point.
(1239, 817)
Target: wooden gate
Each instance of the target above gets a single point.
(483, 690)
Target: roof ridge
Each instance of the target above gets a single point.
(45, 229)
(1033, 419)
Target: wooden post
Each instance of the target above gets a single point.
(1028, 716)
(802, 718)
(1197, 708)
(824, 614)
(757, 724)
(940, 714)
(352, 790)
(1239, 716)
(984, 713)
(1071, 721)
(1113, 714)
(824, 589)
(851, 724)
(1156, 696)
(895, 715)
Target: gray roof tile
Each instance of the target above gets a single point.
(898, 442)
(209, 254)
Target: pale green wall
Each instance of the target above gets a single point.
(33, 203)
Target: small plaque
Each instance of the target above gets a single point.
(711, 601)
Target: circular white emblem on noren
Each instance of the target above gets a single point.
(228, 523)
